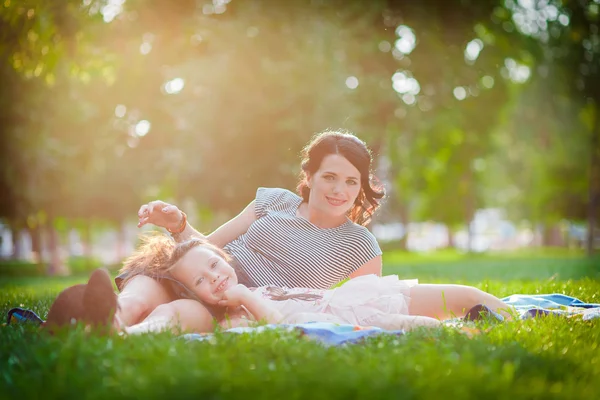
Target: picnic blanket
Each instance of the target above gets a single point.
(537, 305)
(326, 333)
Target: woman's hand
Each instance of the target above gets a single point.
(235, 296)
(160, 214)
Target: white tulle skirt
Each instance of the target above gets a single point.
(360, 301)
(366, 298)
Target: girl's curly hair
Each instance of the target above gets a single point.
(157, 255)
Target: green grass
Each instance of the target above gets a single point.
(523, 266)
(543, 358)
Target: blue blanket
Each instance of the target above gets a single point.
(537, 305)
(324, 332)
(549, 301)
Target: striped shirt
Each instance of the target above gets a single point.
(283, 249)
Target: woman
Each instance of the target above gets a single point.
(385, 302)
(313, 240)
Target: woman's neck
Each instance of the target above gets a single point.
(318, 218)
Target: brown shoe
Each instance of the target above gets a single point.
(93, 304)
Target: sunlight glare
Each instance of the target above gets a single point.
(132, 142)
(403, 83)
(352, 82)
(120, 110)
(174, 86)
(142, 128)
(460, 93)
(385, 46)
(145, 48)
(220, 6)
(563, 19)
(112, 9)
(516, 72)
(487, 82)
(473, 49)
(551, 13)
(409, 99)
(406, 39)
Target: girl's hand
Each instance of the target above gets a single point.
(235, 296)
(161, 214)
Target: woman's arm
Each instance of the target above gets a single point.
(170, 217)
(370, 267)
(233, 228)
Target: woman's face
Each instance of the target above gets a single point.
(334, 186)
(205, 273)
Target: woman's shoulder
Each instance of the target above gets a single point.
(361, 235)
(275, 193)
(274, 198)
(358, 229)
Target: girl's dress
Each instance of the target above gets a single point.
(359, 301)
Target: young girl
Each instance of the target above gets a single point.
(203, 269)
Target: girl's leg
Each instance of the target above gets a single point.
(140, 296)
(177, 316)
(449, 301)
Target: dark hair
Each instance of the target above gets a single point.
(358, 154)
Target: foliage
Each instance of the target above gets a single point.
(467, 104)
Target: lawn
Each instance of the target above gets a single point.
(543, 358)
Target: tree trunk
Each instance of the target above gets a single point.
(551, 236)
(469, 208)
(17, 251)
(470, 236)
(86, 241)
(36, 243)
(121, 241)
(404, 219)
(594, 191)
(51, 239)
(56, 263)
(451, 243)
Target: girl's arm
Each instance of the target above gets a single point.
(260, 309)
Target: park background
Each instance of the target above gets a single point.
(484, 119)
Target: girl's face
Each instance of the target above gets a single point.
(205, 273)
(334, 187)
